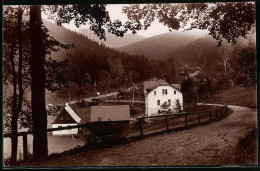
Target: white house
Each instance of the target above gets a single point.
(158, 93)
(74, 114)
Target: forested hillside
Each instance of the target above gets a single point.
(201, 52)
(92, 63)
(91, 58)
(112, 40)
(195, 48)
(163, 45)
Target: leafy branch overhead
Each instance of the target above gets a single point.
(95, 15)
(224, 21)
(16, 61)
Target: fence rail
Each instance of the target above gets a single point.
(24, 134)
(221, 109)
(125, 101)
(218, 110)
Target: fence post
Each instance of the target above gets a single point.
(221, 110)
(226, 109)
(25, 149)
(107, 132)
(186, 119)
(198, 117)
(141, 126)
(217, 113)
(166, 122)
(210, 115)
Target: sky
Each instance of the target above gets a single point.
(115, 12)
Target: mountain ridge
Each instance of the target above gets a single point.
(112, 40)
(168, 41)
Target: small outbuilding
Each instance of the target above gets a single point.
(110, 113)
(71, 115)
(75, 114)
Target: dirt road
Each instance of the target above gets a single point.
(213, 144)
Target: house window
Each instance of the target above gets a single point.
(154, 92)
(174, 92)
(164, 91)
(61, 118)
(169, 101)
(158, 102)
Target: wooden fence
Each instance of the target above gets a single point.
(219, 112)
(125, 101)
(107, 124)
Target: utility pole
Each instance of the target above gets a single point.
(69, 95)
(95, 88)
(133, 94)
(105, 91)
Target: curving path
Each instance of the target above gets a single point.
(213, 144)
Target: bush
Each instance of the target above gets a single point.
(124, 94)
(83, 103)
(165, 105)
(98, 133)
(178, 106)
(133, 111)
(53, 110)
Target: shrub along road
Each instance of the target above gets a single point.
(219, 143)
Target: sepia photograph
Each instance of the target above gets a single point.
(141, 85)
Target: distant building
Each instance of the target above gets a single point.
(74, 114)
(161, 92)
(195, 71)
(186, 72)
(183, 72)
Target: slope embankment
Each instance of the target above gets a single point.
(219, 143)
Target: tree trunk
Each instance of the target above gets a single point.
(17, 107)
(14, 128)
(20, 65)
(39, 116)
(225, 66)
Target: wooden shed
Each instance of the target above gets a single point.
(110, 113)
(71, 115)
(75, 114)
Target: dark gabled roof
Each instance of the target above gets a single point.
(112, 113)
(162, 85)
(149, 84)
(86, 114)
(193, 69)
(178, 86)
(184, 68)
(158, 83)
(152, 84)
(82, 112)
